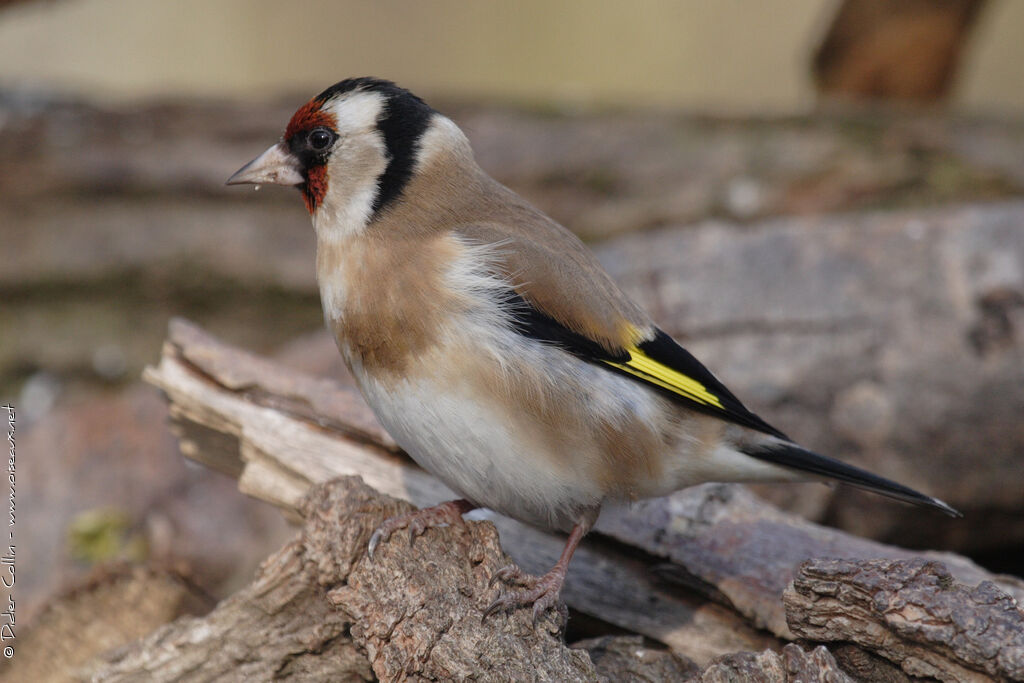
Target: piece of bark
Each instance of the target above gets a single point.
(114, 606)
(416, 607)
(320, 609)
(865, 665)
(723, 541)
(913, 613)
(894, 50)
(792, 665)
(295, 394)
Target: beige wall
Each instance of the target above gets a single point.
(744, 56)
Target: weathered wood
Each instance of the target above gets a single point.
(627, 658)
(913, 613)
(320, 610)
(718, 541)
(271, 385)
(724, 541)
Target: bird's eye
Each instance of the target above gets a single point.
(320, 139)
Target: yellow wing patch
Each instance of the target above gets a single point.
(665, 377)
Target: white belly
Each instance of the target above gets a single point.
(478, 453)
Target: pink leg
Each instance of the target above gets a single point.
(541, 592)
(419, 521)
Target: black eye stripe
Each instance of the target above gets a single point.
(302, 147)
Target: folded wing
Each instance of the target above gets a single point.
(660, 363)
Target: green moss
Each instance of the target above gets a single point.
(102, 535)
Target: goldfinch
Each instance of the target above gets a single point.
(494, 347)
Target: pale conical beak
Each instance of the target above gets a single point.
(276, 166)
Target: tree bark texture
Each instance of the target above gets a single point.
(913, 612)
(702, 572)
(321, 610)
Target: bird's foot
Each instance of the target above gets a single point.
(541, 592)
(419, 521)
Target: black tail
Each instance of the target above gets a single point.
(791, 455)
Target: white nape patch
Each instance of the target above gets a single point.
(442, 137)
(354, 167)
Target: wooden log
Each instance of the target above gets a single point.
(733, 549)
(321, 610)
(726, 543)
(913, 613)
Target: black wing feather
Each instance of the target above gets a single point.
(798, 458)
(530, 322)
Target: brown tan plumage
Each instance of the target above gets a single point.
(491, 343)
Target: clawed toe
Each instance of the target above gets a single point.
(542, 594)
(417, 527)
(543, 604)
(384, 532)
(419, 521)
(381, 534)
(507, 574)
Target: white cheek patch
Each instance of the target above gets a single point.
(345, 214)
(356, 163)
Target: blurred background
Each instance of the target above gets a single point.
(823, 197)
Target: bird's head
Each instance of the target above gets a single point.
(351, 150)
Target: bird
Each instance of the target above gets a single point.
(494, 347)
